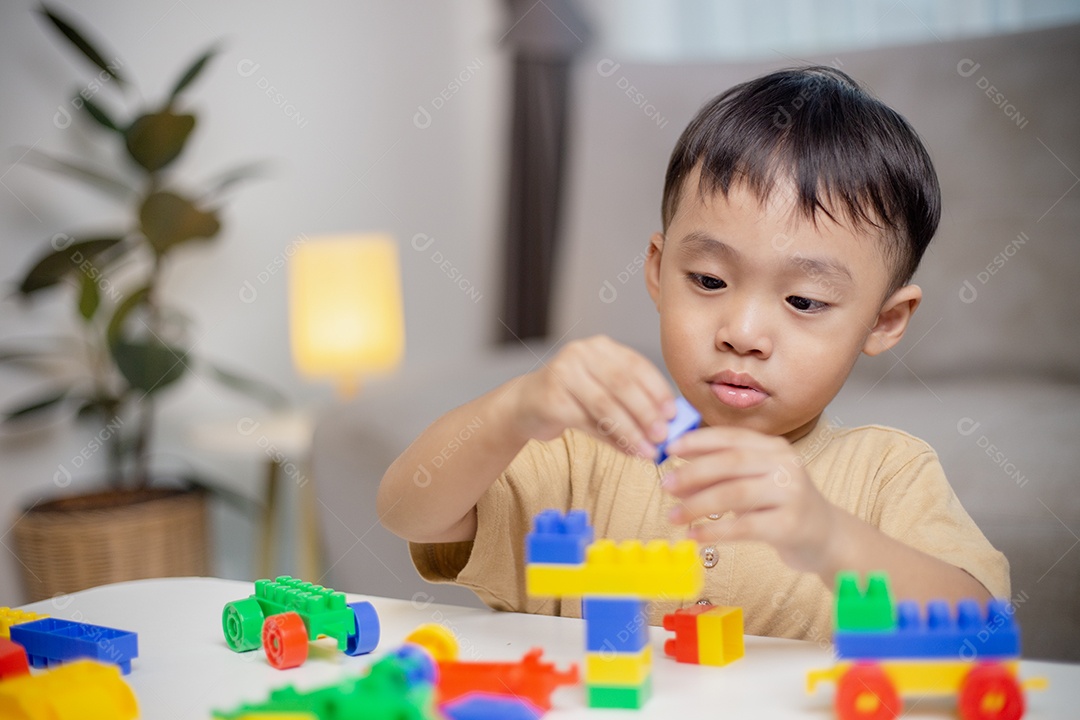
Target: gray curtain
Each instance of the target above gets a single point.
(543, 36)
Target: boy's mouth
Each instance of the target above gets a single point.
(737, 390)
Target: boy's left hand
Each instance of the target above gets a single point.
(760, 479)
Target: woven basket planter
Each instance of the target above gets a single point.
(77, 542)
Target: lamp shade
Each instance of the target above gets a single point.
(345, 308)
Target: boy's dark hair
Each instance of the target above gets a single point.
(845, 151)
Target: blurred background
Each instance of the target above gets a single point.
(515, 151)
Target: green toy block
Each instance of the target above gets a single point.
(323, 610)
(387, 692)
(626, 697)
(859, 610)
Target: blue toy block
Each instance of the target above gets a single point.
(686, 419)
(558, 538)
(487, 706)
(51, 641)
(970, 635)
(366, 637)
(615, 625)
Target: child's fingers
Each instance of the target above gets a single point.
(638, 384)
(712, 439)
(606, 417)
(646, 415)
(718, 467)
(744, 495)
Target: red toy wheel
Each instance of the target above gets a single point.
(285, 639)
(990, 692)
(865, 692)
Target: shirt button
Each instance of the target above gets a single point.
(709, 557)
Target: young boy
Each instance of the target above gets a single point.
(796, 208)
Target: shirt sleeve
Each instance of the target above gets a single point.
(916, 504)
(492, 565)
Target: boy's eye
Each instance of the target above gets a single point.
(707, 282)
(805, 304)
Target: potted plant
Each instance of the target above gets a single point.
(128, 344)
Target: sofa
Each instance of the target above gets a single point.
(989, 373)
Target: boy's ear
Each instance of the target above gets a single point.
(652, 267)
(892, 320)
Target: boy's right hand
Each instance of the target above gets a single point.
(599, 386)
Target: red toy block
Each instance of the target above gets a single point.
(683, 622)
(529, 679)
(706, 635)
(13, 662)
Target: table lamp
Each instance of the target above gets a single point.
(345, 308)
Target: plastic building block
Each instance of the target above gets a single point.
(13, 662)
(620, 696)
(686, 419)
(530, 679)
(655, 570)
(615, 625)
(50, 641)
(438, 640)
(869, 610)
(991, 686)
(972, 655)
(11, 616)
(81, 690)
(365, 637)
(683, 622)
(279, 608)
(705, 634)
(485, 706)
(558, 538)
(605, 668)
(967, 636)
(397, 686)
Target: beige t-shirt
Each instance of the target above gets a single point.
(883, 476)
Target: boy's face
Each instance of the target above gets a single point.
(762, 312)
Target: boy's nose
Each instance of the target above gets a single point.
(743, 330)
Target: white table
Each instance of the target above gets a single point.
(184, 669)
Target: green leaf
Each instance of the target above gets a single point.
(192, 73)
(257, 389)
(35, 406)
(156, 139)
(169, 219)
(149, 365)
(95, 111)
(50, 269)
(116, 324)
(116, 188)
(89, 299)
(76, 38)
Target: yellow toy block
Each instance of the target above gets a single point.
(11, 616)
(554, 580)
(79, 690)
(720, 635)
(438, 640)
(918, 677)
(618, 668)
(658, 570)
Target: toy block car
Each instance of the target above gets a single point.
(284, 614)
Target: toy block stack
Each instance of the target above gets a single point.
(615, 581)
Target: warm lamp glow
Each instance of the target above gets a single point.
(346, 318)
